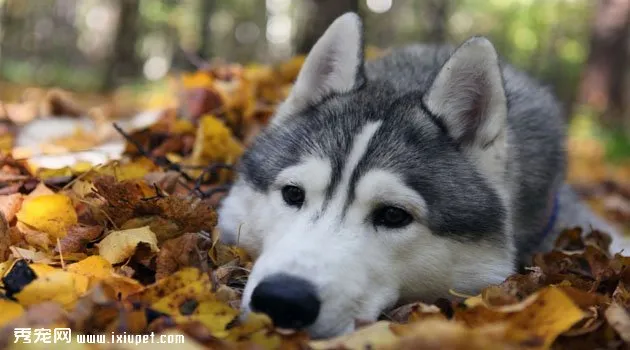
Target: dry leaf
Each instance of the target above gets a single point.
(52, 214)
(77, 238)
(5, 239)
(10, 205)
(10, 311)
(619, 319)
(119, 246)
(184, 251)
(59, 286)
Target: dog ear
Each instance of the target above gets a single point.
(467, 95)
(334, 65)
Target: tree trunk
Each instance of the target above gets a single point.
(437, 15)
(4, 28)
(603, 78)
(321, 13)
(123, 61)
(205, 38)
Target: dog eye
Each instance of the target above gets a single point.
(391, 217)
(293, 195)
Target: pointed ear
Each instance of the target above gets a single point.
(467, 95)
(334, 65)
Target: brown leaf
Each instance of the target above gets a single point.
(95, 310)
(5, 239)
(599, 239)
(570, 240)
(183, 251)
(77, 238)
(35, 237)
(132, 199)
(10, 205)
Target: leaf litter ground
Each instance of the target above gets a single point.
(130, 247)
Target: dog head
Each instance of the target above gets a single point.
(358, 197)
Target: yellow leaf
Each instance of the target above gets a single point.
(119, 246)
(95, 267)
(60, 286)
(52, 213)
(99, 270)
(197, 79)
(46, 173)
(5, 267)
(181, 126)
(214, 143)
(81, 167)
(215, 315)
(372, 336)
(10, 311)
(442, 334)
(189, 296)
(42, 269)
(539, 319)
(123, 286)
(167, 285)
(6, 142)
(257, 329)
(127, 171)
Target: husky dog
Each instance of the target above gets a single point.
(395, 180)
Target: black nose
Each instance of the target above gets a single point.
(291, 302)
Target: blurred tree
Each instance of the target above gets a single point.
(4, 25)
(205, 38)
(320, 14)
(604, 73)
(438, 12)
(123, 61)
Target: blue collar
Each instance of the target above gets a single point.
(552, 220)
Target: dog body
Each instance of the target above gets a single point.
(431, 169)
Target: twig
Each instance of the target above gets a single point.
(213, 191)
(212, 170)
(63, 264)
(162, 162)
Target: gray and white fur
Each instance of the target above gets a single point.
(471, 149)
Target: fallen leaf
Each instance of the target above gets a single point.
(538, 319)
(10, 205)
(10, 311)
(78, 237)
(40, 190)
(619, 319)
(166, 285)
(59, 286)
(119, 246)
(38, 239)
(440, 334)
(184, 251)
(5, 239)
(214, 142)
(374, 336)
(28, 254)
(52, 214)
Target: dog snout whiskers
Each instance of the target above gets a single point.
(291, 302)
